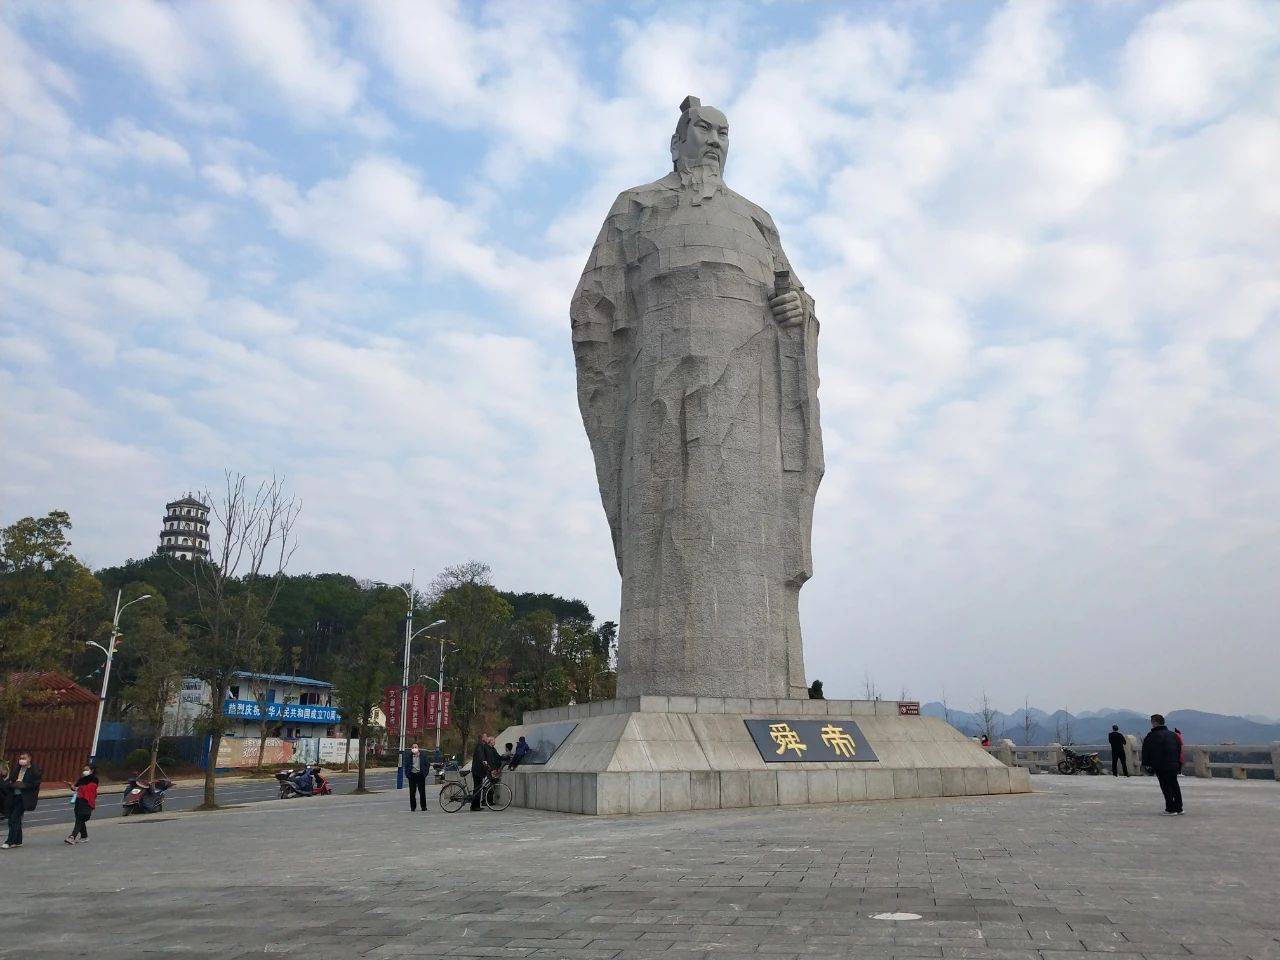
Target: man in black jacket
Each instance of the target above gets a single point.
(1119, 749)
(1161, 755)
(485, 763)
(22, 791)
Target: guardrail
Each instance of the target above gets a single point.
(1199, 759)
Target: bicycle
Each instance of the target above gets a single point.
(494, 794)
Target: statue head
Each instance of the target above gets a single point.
(701, 138)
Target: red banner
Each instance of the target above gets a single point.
(434, 703)
(416, 713)
(391, 708)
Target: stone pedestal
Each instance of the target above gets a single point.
(659, 754)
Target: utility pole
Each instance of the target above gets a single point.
(110, 651)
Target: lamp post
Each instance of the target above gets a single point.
(404, 685)
(440, 699)
(110, 651)
(409, 635)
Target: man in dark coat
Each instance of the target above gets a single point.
(1161, 754)
(416, 764)
(1118, 751)
(485, 763)
(22, 788)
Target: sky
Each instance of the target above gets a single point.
(337, 242)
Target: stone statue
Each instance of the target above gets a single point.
(697, 380)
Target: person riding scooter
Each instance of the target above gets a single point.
(305, 783)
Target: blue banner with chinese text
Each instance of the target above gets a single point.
(296, 712)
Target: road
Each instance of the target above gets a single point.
(58, 809)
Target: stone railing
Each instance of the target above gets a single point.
(1200, 759)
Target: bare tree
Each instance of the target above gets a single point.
(235, 591)
(988, 717)
(1062, 728)
(1030, 729)
(946, 707)
(260, 685)
(869, 689)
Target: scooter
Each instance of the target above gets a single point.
(144, 796)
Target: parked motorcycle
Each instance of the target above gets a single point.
(1073, 762)
(144, 795)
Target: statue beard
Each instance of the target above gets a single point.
(701, 179)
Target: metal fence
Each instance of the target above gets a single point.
(193, 750)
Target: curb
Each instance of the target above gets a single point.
(113, 788)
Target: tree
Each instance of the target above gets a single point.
(537, 674)
(1030, 729)
(235, 591)
(815, 691)
(367, 666)
(1062, 728)
(260, 685)
(160, 655)
(476, 622)
(586, 658)
(50, 606)
(869, 689)
(988, 717)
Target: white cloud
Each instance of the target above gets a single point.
(149, 146)
(1188, 62)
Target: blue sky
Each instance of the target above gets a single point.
(337, 242)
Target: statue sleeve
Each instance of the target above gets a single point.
(799, 423)
(601, 324)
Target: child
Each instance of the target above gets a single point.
(85, 794)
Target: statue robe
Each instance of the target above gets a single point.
(703, 419)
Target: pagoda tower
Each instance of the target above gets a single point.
(186, 529)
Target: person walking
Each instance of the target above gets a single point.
(1178, 733)
(485, 764)
(85, 800)
(1119, 750)
(22, 788)
(416, 765)
(1160, 755)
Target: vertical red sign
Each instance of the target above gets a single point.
(391, 708)
(446, 703)
(416, 720)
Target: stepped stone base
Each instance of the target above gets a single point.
(660, 754)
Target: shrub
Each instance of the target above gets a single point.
(137, 759)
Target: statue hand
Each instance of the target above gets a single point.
(788, 309)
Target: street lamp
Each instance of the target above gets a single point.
(110, 651)
(440, 696)
(404, 686)
(409, 634)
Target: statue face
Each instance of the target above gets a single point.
(705, 142)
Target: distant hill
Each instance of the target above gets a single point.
(1036, 727)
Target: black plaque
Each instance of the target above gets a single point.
(784, 740)
(546, 740)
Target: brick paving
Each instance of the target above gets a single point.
(1084, 865)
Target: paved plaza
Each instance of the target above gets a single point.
(1082, 865)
